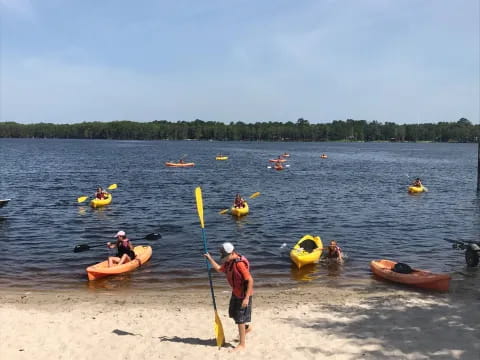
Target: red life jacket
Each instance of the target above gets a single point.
(234, 276)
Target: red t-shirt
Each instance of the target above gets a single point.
(227, 268)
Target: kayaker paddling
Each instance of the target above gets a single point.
(100, 193)
(417, 182)
(238, 202)
(237, 270)
(124, 247)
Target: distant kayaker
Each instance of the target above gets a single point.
(124, 247)
(238, 202)
(417, 182)
(237, 271)
(334, 251)
(100, 193)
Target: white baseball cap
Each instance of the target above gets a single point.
(226, 249)
(120, 233)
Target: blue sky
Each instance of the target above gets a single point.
(402, 61)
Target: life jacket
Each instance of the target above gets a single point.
(335, 253)
(234, 276)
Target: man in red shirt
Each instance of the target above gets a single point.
(237, 271)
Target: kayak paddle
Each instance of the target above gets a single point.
(253, 196)
(85, 247)
(219, 335)
(83, 198)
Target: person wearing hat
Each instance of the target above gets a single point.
(237, 270)
(124, 247)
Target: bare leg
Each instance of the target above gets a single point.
(125, 258)
(112, 260)
(248, 328)
(241, 332)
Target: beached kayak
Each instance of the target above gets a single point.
(95, 203)
(240, 211)
(277, 160)
(416, 189)
(221, 158)
(170, 164)
(4, 202)
(419, 278)
(307, 250)
(144, 253)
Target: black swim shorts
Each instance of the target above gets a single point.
(239, 314)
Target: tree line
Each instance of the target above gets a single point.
(301, 130)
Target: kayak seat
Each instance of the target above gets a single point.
(308, 245)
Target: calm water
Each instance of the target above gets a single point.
(356, 196)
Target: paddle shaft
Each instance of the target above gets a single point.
(209, 269)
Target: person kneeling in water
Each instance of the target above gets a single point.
(334, 251)
(237, 270)
(124, 247)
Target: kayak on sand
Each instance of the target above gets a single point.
(306, 251)
(97, 271)
(414, 277)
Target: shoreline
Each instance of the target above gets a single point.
(352, 320)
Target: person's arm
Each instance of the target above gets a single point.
(110, 245)
(249, 279)
(212, 262)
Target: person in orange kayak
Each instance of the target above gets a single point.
(334, 251)
(238, 202)
(237, 270)
(124, 247)
(417, 182)
(181, 161)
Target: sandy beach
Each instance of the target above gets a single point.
(367, 320)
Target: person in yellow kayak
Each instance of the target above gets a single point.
(334, 251)
(100, 193)
(417, 182)
(238, 202)
(124, 247)
(237, 270)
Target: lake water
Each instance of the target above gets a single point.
(358, 196)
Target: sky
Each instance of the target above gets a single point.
(408, 61)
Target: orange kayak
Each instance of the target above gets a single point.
(170, 164)
(97, 271)
(279, 167)
(419, 278)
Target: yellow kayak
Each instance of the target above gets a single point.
(416, 189)
(240, 211)
(95, 203)
(144, 253)
(307, 250)
(221, 158)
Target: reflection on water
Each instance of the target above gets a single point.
(305, 273)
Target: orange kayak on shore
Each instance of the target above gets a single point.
(170, 164)
(97, 271)
(419, 278)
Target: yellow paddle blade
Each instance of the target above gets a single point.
(198, 197)
(224, 211)
(82, 199)
(254, 195)
(112, 187)
(219, 335)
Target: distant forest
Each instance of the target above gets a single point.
(301, 130)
